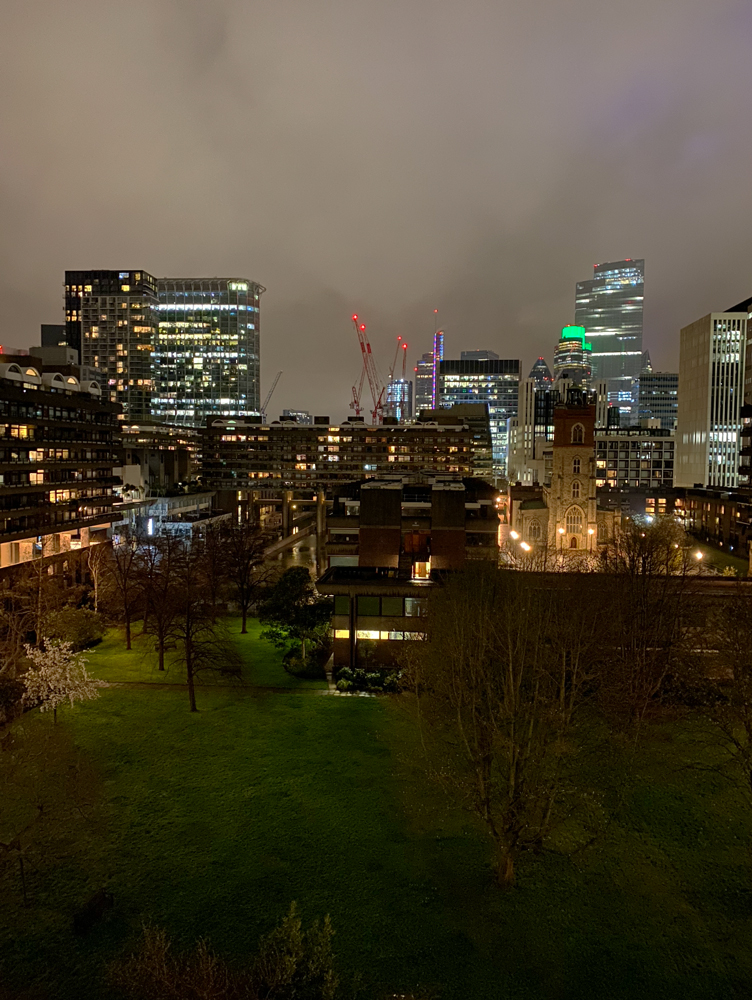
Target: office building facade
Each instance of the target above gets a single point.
(495, 383)
(572, 357)
(659, 397)
(242, 455)
(540, 373)
(610, 308)
(424, 383)
(60, 447)
(710, 395)
(111, 320)
(634, 456)
(399, 399)
(207, 349)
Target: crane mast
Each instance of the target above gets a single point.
(369, 372)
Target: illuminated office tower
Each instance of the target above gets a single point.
(495, 383)
(572, 356)
(438, 357)
(659, 392)
(110, 318)
(609, 306)
(207, 360)
(711, 389)
(399, 399)
(424, 383)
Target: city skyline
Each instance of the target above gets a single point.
(622, 141)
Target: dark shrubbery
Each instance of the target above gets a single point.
(78, 626)
(311, 668)
(387, 681)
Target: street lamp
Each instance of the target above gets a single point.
(514, 535)
(591, 532)
(525, 546)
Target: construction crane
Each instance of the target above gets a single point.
(369, 372)
(400, 344)
(269, 395)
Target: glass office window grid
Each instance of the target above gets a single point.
(726, 392)
(610, 307)
(111, 317)
(659, 395)
(207, 357)
(495, 383)
(399, 399)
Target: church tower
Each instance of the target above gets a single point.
(571, 497)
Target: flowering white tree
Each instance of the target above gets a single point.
(58, 675)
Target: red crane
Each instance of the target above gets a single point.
(369, 372)
(404, 359)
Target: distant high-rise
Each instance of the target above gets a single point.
(572, 356)
(54, 335)
(495, 383)
(609, 306)
(110, 319)
(479, 356)
(302, 417)
(540, 373)
(207, 361)
(399, 399)
(424, 383)
(711, 387)
(659, 393)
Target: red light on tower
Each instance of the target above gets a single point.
(355, 317)
(362, 326)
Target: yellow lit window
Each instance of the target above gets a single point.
(342, 633)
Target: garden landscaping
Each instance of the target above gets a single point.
(210, 824)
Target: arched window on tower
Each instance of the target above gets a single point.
(534, 530)
(576, 466)
(576, 490)
(574, 521)
(578, 434)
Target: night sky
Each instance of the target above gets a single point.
(380, 156)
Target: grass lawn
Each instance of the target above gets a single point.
(719, 559)
(211, 823)
(262, 663)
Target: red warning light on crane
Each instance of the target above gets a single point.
(362, 326)
(355, 317)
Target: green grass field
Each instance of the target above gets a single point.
(211, 823)
(262, 663)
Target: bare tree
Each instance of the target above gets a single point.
(651, 616)
(156, 568)
(123, 575)
(244, 547)
(205, 645)
(96, 558)
(499, 682)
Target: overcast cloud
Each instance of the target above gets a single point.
(383, 156)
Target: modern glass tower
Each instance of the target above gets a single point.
(424, 383)
(495, 383)
(399, 399)
(110, 317)
(609, 306)
(207, 357)
(572, 356)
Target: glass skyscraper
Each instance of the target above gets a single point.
(495, 383)
(207, 349)
(609, 307)
(110, 317)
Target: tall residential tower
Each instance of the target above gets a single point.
(110, 318)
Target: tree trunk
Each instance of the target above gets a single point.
(54, 716)
(161, 653)
(189, 677)
(244, 630)
(127, 631)
(505, 870)
(23, 879)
